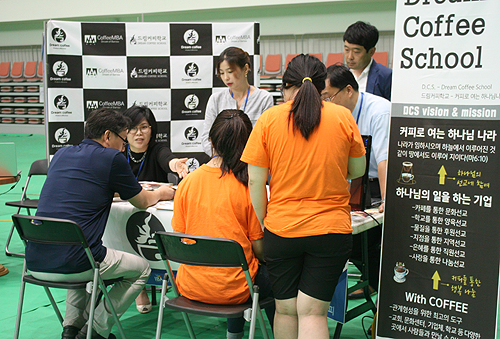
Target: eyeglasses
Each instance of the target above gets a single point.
(143, 128)
(330, 98)
(124, 140)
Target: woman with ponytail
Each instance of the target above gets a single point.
(310, 148)
(214, 201)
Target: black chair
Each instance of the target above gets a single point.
(60, 232)
(207, 251)
(38, 167)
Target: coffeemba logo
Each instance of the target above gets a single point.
(58, 34)
(91, 72)
(92, 105)
(61, 102)
(92, 39)
(222, 39)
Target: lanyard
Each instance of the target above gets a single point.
(246, 100)
(360, 107)
(140, 167)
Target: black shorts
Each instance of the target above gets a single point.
(312, 264)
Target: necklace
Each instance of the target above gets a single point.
(134, 160)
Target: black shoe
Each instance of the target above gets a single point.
(69, 332)
(82, 334)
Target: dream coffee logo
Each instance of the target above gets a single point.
(58, 34)
(91, 72)
(92, 105)
(141, 227)
(191, 37)
(191, 101)
(62, 135)
(191, 133)
(90, 39)
(61, 102)
(191, 69)
(60, 68)
(192, 164)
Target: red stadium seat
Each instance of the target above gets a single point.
(273, 64)
(381, 57)
(334, 58)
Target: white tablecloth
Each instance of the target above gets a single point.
(131, 229)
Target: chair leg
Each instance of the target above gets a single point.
(93, 296)
(255, 306)
(19, 308)
(111, 307)
(161, 307)
(54, 305)
(7, 252)
(188, 325)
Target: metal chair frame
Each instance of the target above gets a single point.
(38, 167)
(207, 251)
(60, 232)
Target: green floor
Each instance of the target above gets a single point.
(39, 320)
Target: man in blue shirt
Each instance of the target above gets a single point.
(360, 39)
(372, 114)
(80, 185)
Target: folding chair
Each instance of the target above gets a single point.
(60, 232)
(38, 167)
(206, 251)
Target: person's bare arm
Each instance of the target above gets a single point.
(148, 198)
(258, 249)
(257, 177)
(356, 167)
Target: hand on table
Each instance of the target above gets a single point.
(166, 192)
(381, 207)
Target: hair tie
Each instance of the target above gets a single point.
(306, 78)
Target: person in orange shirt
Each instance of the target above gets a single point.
(214, 201)
(310, 149)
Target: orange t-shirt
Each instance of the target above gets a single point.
(309, 193)
(206, 204)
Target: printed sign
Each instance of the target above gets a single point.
(440, 255)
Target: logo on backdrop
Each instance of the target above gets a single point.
(240, 38)
(192, 164)
(58, 34)
(91, 72)
(62, 135)
(191, 133)
(90, 39)
(191, 69)
(97, 98)
(191, 37)
(148, 72)
(191, 101)
(148, 40)
(92, 105)
(140, 230)
(60, 68)
(61, 102)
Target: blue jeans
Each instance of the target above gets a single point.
(235, 325)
